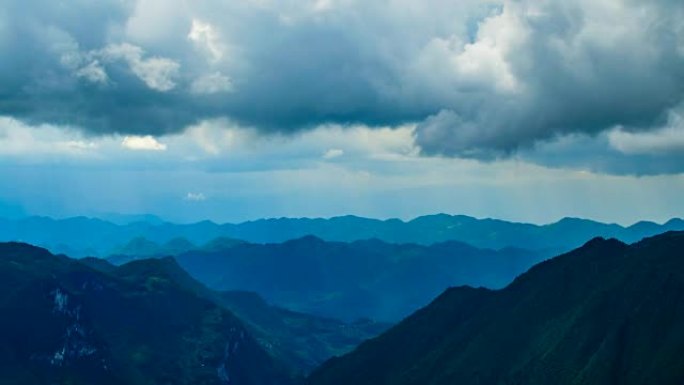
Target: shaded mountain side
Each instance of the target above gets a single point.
(300, 341)
(64, 322)
(606, 313)
(80, 236)
(221, 243)
(99, 264)
(363, 279)
(142, 248)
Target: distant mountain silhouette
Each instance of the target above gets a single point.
(140, 248)
(82, 236)
(606, 313)
(362, 279)
(125, 219)
(221, 243)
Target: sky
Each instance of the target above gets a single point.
(526, 110)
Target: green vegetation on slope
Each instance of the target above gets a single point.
(64, 322)
(349, 281)
(150, 314)
(300, 340)
(606, 313)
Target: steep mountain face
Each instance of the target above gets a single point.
(81, 236)
(301, 341)
(348, 281)
(65, 322)
(606, 313)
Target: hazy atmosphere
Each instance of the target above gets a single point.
(341, 192)
(229, 111)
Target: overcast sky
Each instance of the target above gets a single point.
(235, 110)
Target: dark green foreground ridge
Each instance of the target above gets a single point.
(67, 322)
(606, 313)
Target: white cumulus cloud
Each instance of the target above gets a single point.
(195, 197)
(211, 84)
(157, 72)
(333, 153)
(205, 36)
(94, 72)
(142, 143)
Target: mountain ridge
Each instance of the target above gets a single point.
(361, 279)
(294, 342)
(606, 312)
(82, 236)
(66, 322)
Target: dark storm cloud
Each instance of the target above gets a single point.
(48, 75)
(581, 69)
(481, 79)
(601, 154)
(293, 66)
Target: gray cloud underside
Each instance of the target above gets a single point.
(480, 79)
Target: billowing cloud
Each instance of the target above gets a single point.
(573, 67)
(478, 79)
(244, 175)
(666, 140)
(35, 144)
(94, 72)
(158, 73)
(205, 36)
(211, 84)
(142, 143)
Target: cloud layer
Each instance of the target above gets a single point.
(478, 79)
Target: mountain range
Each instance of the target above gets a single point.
(350, 281)
(148, 322)
(81, 236)
(606, 313)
